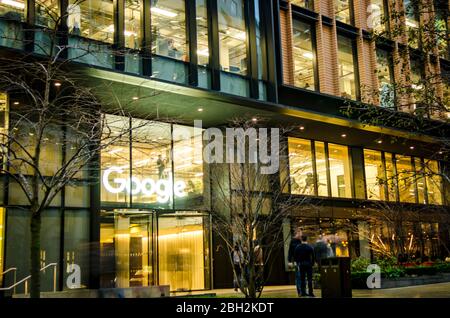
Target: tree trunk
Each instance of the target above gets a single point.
(35, 255)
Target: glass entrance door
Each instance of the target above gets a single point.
(181, 252)
(126, 250)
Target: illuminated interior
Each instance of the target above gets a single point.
(303, 55)
(202, 33)
(93, 19)
(434, 182)
(300, 165)
(340, 174)
(321, 168)
(374, 173)
(385, 79)
(12, 9)
(132, 31)
(47, 12)
(412, 23)
(308, 4)
(169, 29)
(346, 67)
(232, 37)
(342, 11)
(406, 179)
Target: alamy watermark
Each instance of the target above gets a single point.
(374, 279)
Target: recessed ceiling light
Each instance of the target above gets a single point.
(200, 109)
(302, 128)
(135, 98)
(412, 147)
(57, 84)
(343, 135)
(16, 103)
(380, 141)
(440, 152)
(254, 119)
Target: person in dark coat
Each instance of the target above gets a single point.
(304, 257)
(292, 246)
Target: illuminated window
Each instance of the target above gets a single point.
(434, 182)
(441, 11)
(419, 177)
(232, 36)
(346, 67)
(385, 79)
(406, 179)
(308, 4)
(378, 18)
(301, 166)
(303, 55)
(343, 11)
(202, 33)
(374, 173)
(321, 168)
(391, 177)
(340, 175)
(13, 9)
(93, 19)
(169, 29)
(47, 13)
(132, 33)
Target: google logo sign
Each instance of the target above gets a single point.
(134, 186)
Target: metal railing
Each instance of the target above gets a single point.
(25, 280)
(12, 269)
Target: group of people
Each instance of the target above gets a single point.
(303, 256)
(241, 269)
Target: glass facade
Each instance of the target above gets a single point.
(321, 169)
(133, 24)
(379, 20)
(433, 182)
(308, 4)
(412, 22)
(375, 175)
(304, 55)
(347, 68)
(301, 167)
(340, 171)
(93, 19)
(13, 10)
(47, 13)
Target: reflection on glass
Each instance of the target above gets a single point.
(300, 166)
(308, 4)
(47, 13)
(391, 177)
(169, 29)
(346, 67)
(321, 167)
(13, 9)
(340, 174)
(303, 55)
(152, 163)
(442, 29)
(188, 165)
(434, 182)
(378, 19)
(374, 172)
(181, 253)
(93, 19)
(386, 89)
(132, 33)
(232, 36)
(343, 11)
(406, 179)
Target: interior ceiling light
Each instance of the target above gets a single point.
(13, 3)
(163, 12)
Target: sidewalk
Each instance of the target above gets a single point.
(441, 290)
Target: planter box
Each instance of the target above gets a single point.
(404, 281)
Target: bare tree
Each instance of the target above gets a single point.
(51, 107)
(248, 210)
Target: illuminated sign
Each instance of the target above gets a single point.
(162, 188)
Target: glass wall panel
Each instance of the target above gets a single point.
(343, 11)
(169, 29)
(301, 166)
(406, 179)
(202, 33)
(321, 167)
(346, 68)
(385, 78)
(308, 4)
(188, 166)
(232, 36)
(76, 246)
(13, 9)
(93, 19)
(374, 173)
(441, 11)
(434, 182)
(340, 173)
(77, 195)
(47, 12)
(420, 180)
(132, 32)
(181, 252)
(412, 22)
(303, 55)
(391, 177)
(115, 162)
(378, 15)
(151, 164)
